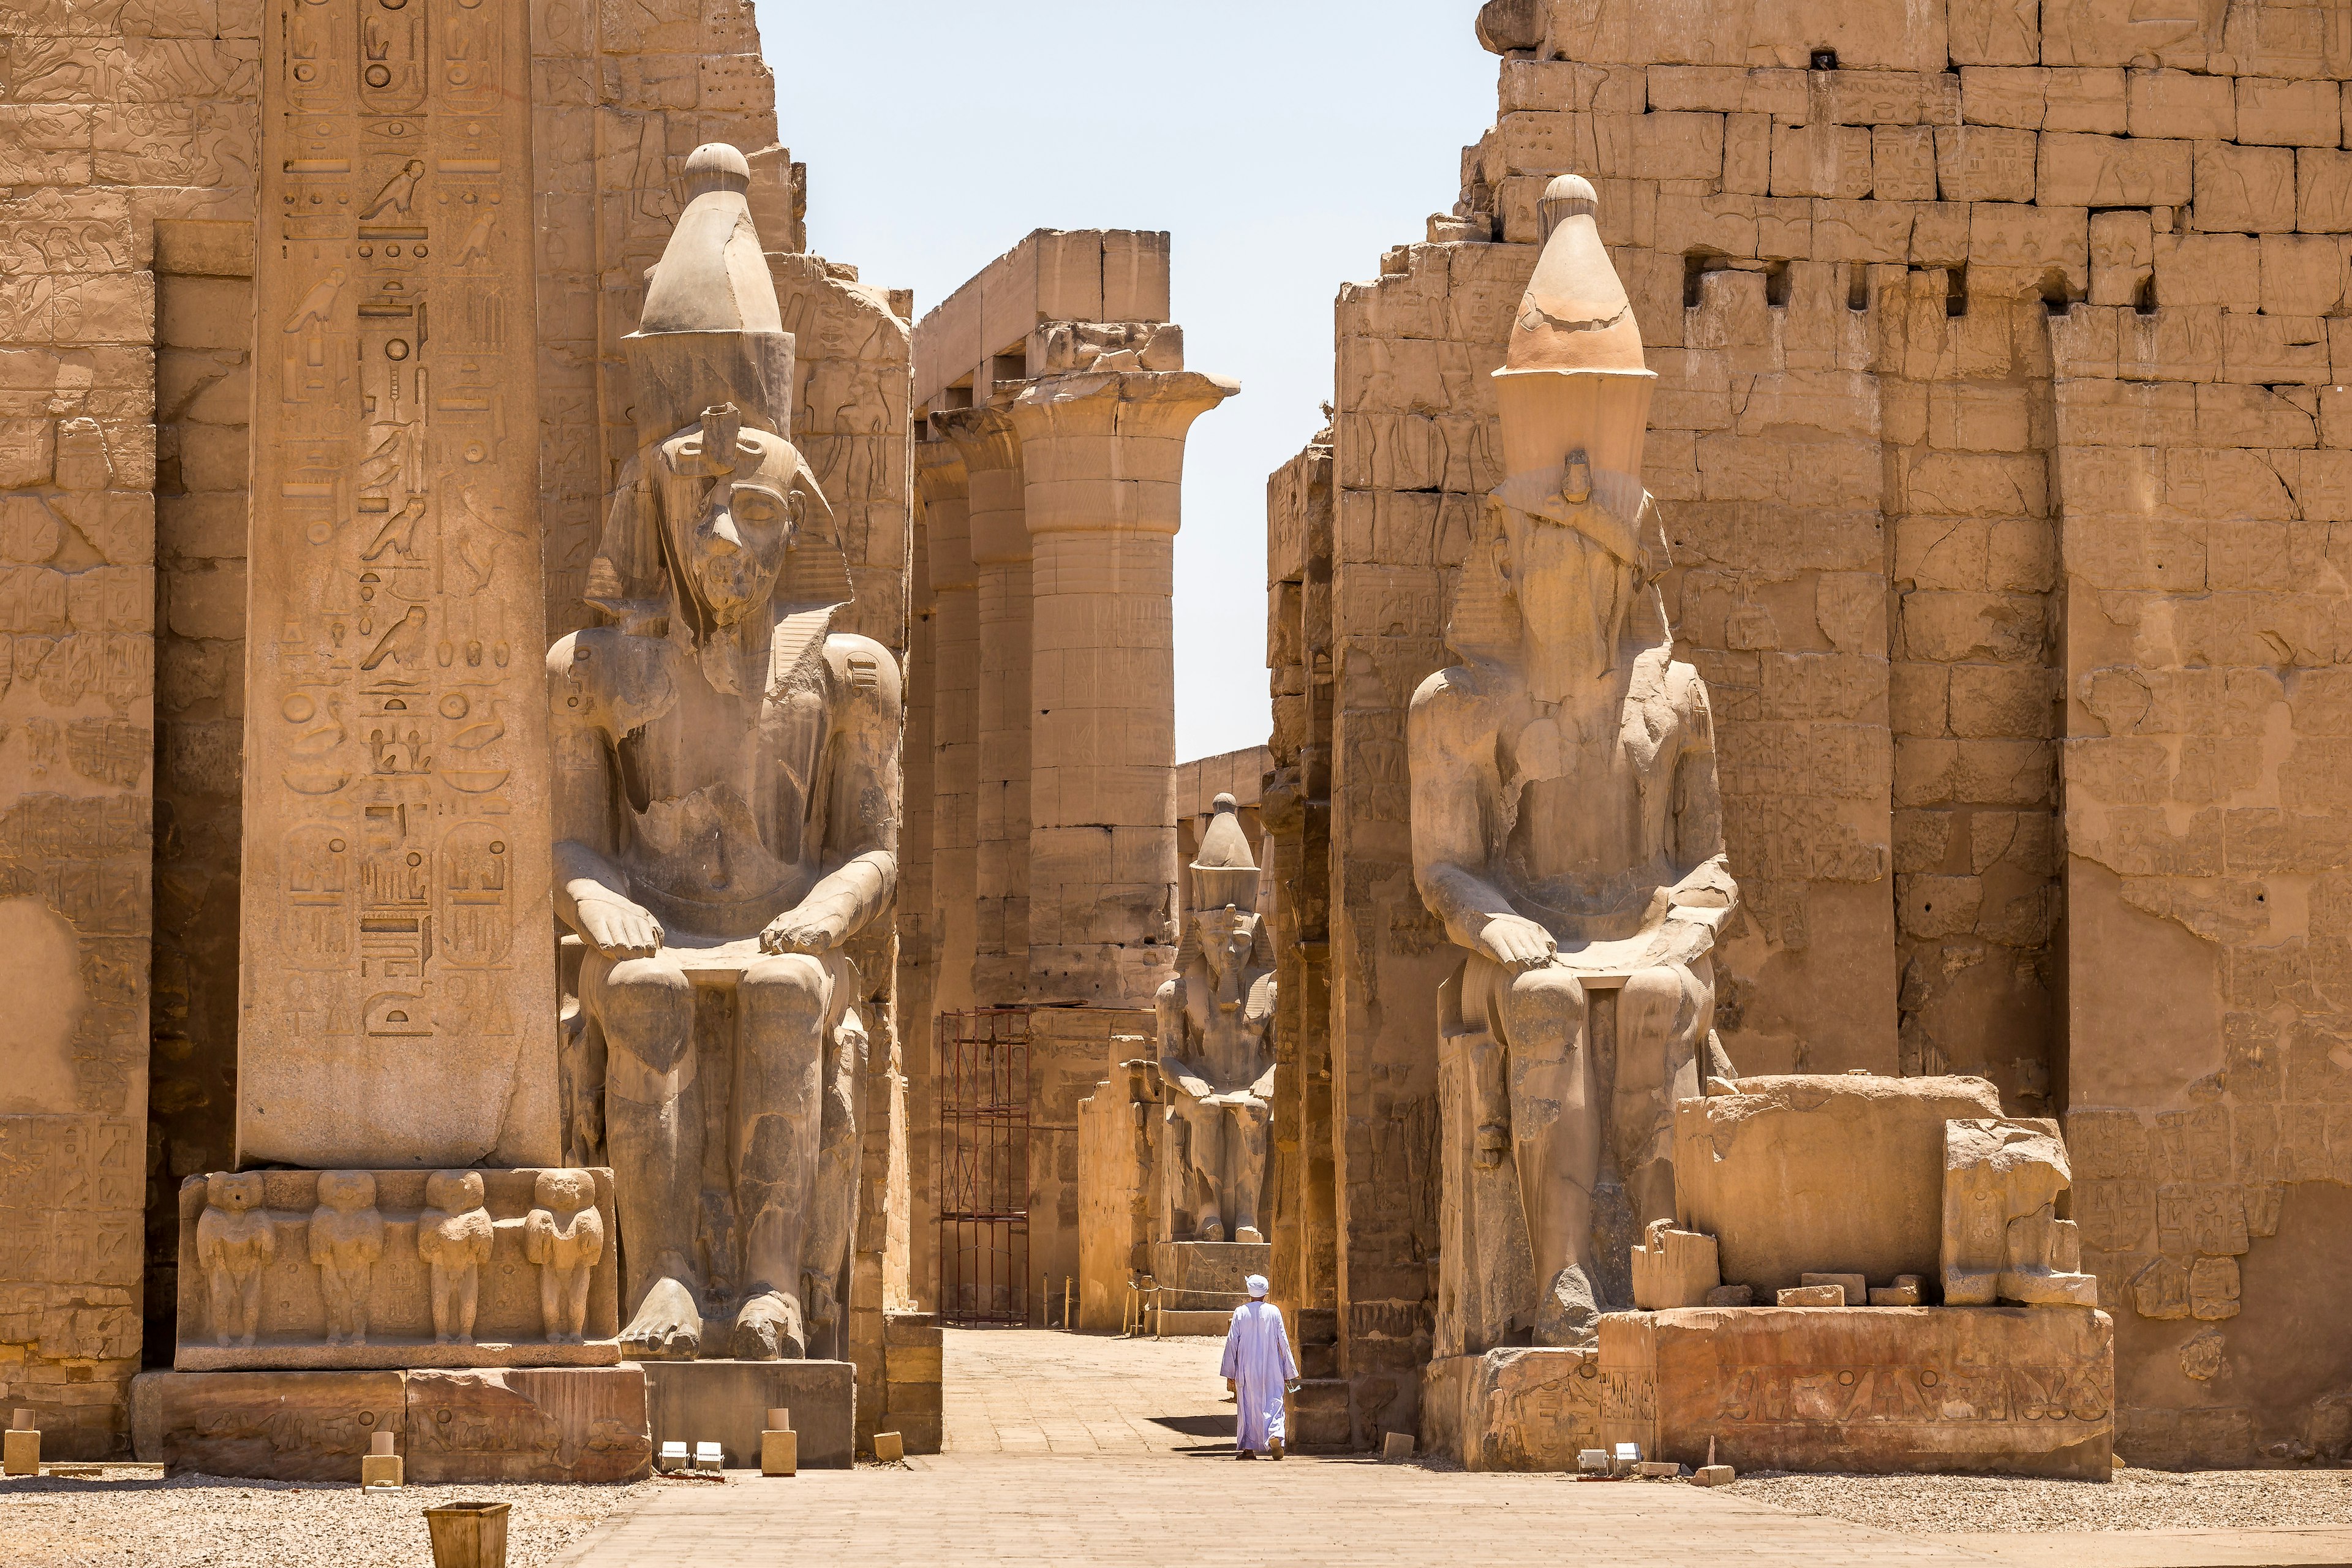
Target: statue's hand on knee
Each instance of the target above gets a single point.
(1517, 942)
(814, 931)
(619, 928)
(1494, 1142)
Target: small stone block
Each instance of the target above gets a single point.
(1904, 1292)
(1856, 1288)
(1731, 1295)
(1396, 1446)
(1712, 1476)
(780, 1453)
(889, 1446)
(23, 1420)
(1655, 1468)
(381, 1469)
(1813, 1295)
(21, 1455)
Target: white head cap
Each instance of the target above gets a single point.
(1257, 1286)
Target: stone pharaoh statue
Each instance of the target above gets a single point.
(1215, 1060)
(726, 814)
(1566, 823)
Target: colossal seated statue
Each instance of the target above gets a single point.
(1565, 824)
(1216, 1060)
(727, 788)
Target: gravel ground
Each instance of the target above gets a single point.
(137, 1518)
(2135, 1499)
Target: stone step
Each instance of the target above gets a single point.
(1319, 1414)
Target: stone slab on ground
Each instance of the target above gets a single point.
(1517, 1409)
(543, 1424)
(1999, 1390)
(727, 1402)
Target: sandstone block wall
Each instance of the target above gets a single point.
(111, 119)
(1993, 434)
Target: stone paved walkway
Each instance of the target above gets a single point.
(1071, 1449)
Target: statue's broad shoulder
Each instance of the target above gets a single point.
(864, 678)
(610, 682)
(1258, 1010)
(617, 682)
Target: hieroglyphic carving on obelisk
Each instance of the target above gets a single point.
(398, 985)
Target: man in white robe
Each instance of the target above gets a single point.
(1259, 1369)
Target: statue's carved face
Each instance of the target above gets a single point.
(730, 501)
(567, 1190)
(1228, 935)
(234, 1193)
(1573, 596)
(456, 1192)
(348, 1191)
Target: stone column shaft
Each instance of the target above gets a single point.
(1103, 460)
(1000, 559)
(955, 682)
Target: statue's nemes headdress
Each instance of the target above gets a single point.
(709, 341)
(1574, 398)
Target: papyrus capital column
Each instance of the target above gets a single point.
(1103, 468)
(999, 545)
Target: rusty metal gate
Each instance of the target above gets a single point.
(983, 1165)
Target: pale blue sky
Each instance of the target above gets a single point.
(1285, 144)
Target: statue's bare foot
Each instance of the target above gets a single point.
(1211, 1228)
(667, 1327)
(1248, 1233)
(1567, 1316)
(768, 1329)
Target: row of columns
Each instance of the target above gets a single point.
(1050, 519)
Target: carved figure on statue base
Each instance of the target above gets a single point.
(1567, 826)
(2008, 1193)
(454, 1236)
(1216, 1056)
(727, 789)
(346, 1240)
(564, 1236)
(235, 1240)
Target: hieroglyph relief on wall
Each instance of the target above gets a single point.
(398, 983)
